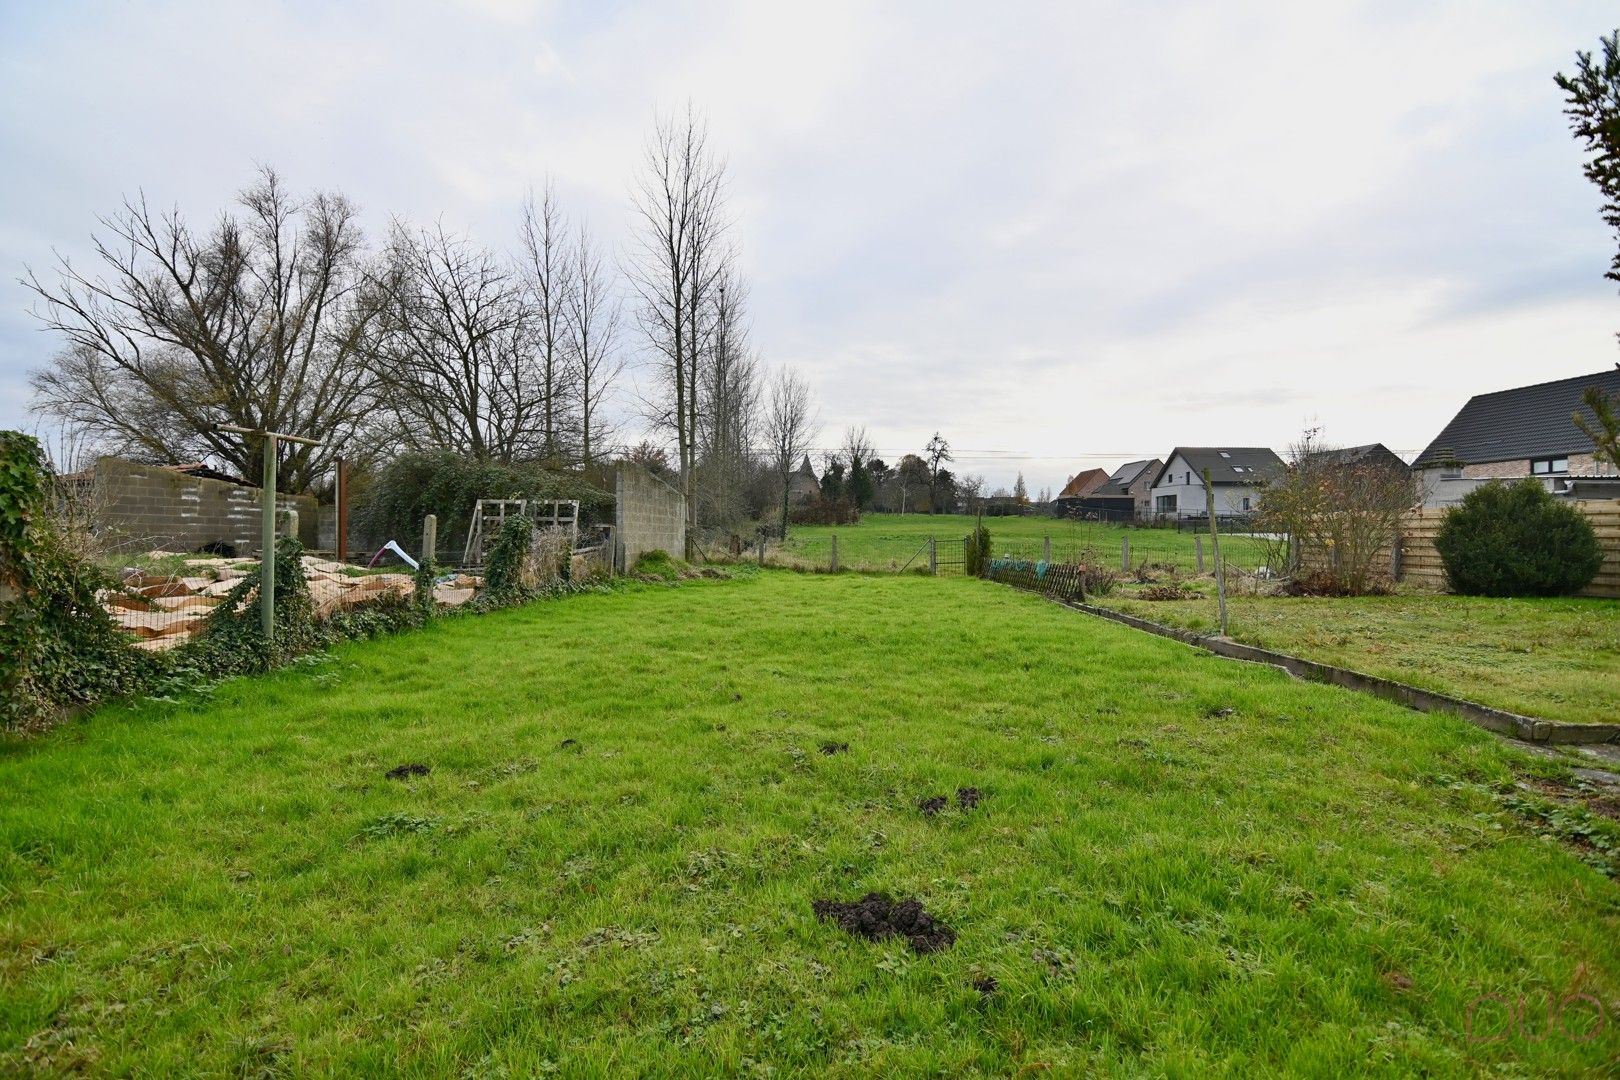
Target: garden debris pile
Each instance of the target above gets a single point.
(877, 918)
(165, 610)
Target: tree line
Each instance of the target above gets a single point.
(280, 315)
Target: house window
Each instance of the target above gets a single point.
(1245, 502)
(1451, 472)
(1165, 504)
(1549, 466)
(1225, 454)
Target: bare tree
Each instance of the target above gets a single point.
(1337, 512)
(678, 204)
(729, 397)
(790, 428)
(549, 267)
(937, 452)
(455, 353)
(971, 488)
(593, 313)
(260, 323)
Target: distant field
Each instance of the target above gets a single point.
(887, 541)
(617, 814)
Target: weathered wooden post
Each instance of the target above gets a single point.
(835, 551)
(267, 541)
(430, 538)
(1395, 557)
(933, 557)
(1046, 551)
(1125, 555)
(342, 544)
(762, 547)
(1198, 549)
(1215, 542)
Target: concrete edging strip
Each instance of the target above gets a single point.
(1500, 721)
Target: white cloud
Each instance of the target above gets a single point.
(1048, 228)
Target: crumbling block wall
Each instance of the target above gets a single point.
(648, 515)
(141, 507)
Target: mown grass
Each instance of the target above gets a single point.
(1554, 659)
(887, 541)
(1183, 866)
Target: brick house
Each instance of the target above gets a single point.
(1526, 431)
(1122, 495)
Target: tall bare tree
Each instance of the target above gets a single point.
(678, 205)
(258, 323)
(728, 392)
(938, 451)
(592, 313)
(790, 428)
(549, 266)
(455, 353)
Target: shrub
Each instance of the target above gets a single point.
(1517, 540)
(412, 486)
(976, 552)
(60, 648)
(658, 565)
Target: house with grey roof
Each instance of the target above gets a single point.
(1236, 476)
(1526, 431)
(1123, 495)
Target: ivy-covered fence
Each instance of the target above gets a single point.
(61, 652)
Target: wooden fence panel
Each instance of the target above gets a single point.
(1420, 562)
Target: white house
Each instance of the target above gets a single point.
(1236, 473)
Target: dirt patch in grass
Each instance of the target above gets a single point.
(932, 805)
(405, 772)
(568, 744)
(876, 917)
(986, 985)
(831, 748)
(968, 797)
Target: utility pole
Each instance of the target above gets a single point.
(267, 522)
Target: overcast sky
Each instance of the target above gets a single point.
(1063, 234)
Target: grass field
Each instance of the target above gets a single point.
(1182, 865)
(887, 541)
(1554, 659)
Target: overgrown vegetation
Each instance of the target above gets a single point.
(1340, 513)
(1516, 540)
(412, 486)
(59, 649)
(1180, 865)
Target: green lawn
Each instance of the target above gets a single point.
(1554, 659)
(887, 541)
(1183, 865)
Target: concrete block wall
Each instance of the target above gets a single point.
(142, 507)
(648, 515)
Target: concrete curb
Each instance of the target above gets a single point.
(1500, 721)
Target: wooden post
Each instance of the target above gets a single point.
(1215, 542)
(1046, 555)
(1125, 555)
(430, 539)
(933, 557)
(267, 541)
(342, 509)
(1395, 557)
(835, 551)
(1198, 549)
(762, 547)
